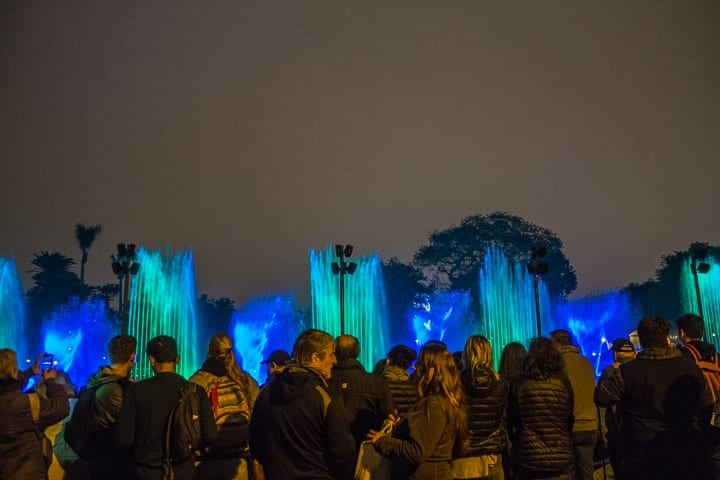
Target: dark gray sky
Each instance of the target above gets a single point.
(253, 132)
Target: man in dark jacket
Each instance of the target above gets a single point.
(103, 460)
(661, 398)
(21, 453)
(146, 410)
(691, 329)
(365, 397)
(297, 431)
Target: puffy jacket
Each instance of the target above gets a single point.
(21, 455)
(486, 405)
(540, 418)
(402, 387)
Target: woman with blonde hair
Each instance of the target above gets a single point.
(424, 442)
(486, 406)
(232, 393)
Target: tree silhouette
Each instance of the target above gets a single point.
(85, 237)
(452, 258)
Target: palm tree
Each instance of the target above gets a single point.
(54, 285)
(85, 237)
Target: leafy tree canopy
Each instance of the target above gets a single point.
(453, 256)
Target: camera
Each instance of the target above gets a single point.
(46, 363)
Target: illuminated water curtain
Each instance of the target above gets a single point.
(261, 326)
(12, 309)
(595, 321)
(365, 303)
(507, 301)
(444, 316)
(162, 302)
(77, 335)
(709, 284)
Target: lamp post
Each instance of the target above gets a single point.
(124, 266)
(537, 267)
(341, 268)
(698, 254)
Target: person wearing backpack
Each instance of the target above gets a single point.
(86, 444)
(691, 329)
(232, 393)
(142, 423)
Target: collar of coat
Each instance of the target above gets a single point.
(659, 353)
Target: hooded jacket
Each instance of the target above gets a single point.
(298, 432)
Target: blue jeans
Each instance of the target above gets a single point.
(584, 446)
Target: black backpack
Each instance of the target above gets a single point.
(84, 433)
(183, 435)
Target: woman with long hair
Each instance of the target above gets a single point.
(423, 443)
(232, 392)
(511, 361)
(486, 406)
(540, 415)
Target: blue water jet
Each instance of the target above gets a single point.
(710, 294)
(443, 316)
(12, 309)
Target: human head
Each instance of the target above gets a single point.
(690, 327)
(543, 360)
(276, 361)
(478, 353)
(8, 365)
(401, 356)
(162, 351)
(562, 337)
(315, 348)
(121, 349)
(348, 347)
(511, 360)
(653, 332)
(623, 350)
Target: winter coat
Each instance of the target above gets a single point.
(21, 455)
(422, 445)
(366, 398)
(402, 387)
(297, 431)
(540, 418)
(486, 398)
(581, 374)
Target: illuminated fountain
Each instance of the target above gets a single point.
(162, 302)
(710, 293)
(12, 309)
(261, 326)
(507, 301)
(365, 304)
(444, 316)
(77, 335)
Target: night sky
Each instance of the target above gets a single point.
(253, 132)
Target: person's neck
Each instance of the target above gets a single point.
(165, 367)
(121, 369)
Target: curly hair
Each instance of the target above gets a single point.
(8, 364)
(543, 360)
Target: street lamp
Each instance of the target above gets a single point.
(341, 268)
(537, 267)
(698, 253)
(124, 266)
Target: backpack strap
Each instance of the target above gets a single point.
(693, 351)
(325, 397)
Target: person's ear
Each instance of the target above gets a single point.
(177, 360)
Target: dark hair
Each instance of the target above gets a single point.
(346, 347)
(401, 356)
(543, 360)
(562, 337)
(653, 332)
(121, 348)
(163, 349)
(511, 361)
(692, 325)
